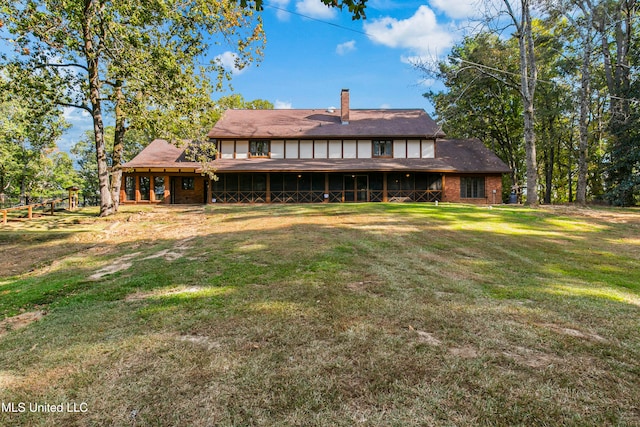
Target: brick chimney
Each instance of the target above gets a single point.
(344, 106)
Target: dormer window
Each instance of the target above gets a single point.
(260, 148)
(382, 148)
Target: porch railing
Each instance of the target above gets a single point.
(318, 196)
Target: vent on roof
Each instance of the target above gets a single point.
(331, 110)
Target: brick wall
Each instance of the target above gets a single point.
(492, 182)
(194, 196)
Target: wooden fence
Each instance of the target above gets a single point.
(29, 208)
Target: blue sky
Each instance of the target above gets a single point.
(315, 51)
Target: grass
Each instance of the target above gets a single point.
(323, 315)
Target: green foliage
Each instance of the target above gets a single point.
(30, 125)
(137, 62)
(481, 100)
(355, 7)
(478, 105)
(202, 150)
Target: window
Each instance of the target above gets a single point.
(259, 148)
(130, 187)
(382, 148)
(158, 187)
(472, 187)
(145, 188)
(188, 183)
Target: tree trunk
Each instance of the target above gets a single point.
(548, 173)
(118, 146)
(528, 76)
(585, 97)
(91, 55)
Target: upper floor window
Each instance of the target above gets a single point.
(382, 148)
(472, 187)
(259, 148)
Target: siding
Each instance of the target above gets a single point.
(332, 149)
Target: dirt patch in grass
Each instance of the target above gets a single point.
(574, 333)
(120, 264)
(532, 358)
(20, 321)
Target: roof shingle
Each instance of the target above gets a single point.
(268, 124)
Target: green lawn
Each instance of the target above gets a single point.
(322, 315)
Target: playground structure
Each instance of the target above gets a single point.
(71, 205)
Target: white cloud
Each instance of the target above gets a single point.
(282, 105)
(73, 115)
(281, 14)
(420, 34)
(346, 47)
(228, 61)
(315, 9)
(385, 106)
(460, 9)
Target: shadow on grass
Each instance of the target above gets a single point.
(381, 312)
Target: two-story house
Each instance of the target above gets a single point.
(321, 156)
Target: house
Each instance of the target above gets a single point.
(321, 156)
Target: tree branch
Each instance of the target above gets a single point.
(81, 106)
(63, 66)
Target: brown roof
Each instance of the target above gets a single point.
(161, 154)
(469, 156)
(463, 156)
(284, 124)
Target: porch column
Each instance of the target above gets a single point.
(326, 188)
(137, 181)
(152, 188)
(444, 187)
(385, 197)
(166, 199)
(268, 195)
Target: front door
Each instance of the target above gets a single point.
(356, 188)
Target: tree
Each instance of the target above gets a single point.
(616, 23)
(479, 105)
(201, 150)
(522, 21)
(127, 56)
(30, 125)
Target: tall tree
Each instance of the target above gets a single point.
(30, 125)
(108, 51)
(480, 104)
(616, 23)
(519, 13)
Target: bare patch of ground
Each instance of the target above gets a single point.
(174, 253)
(532, 358)
(464, 352)
(20, 321)
(120, 264)
(574, 332)
(426, 337)
(200, 340)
